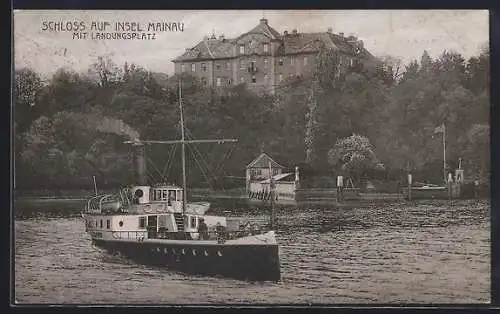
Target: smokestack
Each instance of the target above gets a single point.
(140, 163)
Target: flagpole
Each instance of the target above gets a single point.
(444, 152)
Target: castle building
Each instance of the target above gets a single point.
(263, 58)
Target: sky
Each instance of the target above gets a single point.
(402, 34)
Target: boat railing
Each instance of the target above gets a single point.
(134, 235)
(94, 204)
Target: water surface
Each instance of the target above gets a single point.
(424, 253)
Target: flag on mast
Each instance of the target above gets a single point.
(439, 129)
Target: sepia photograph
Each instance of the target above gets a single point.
(251, 157)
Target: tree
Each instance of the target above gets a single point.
(477, 152)
(107, 71)
(27, 87)
(353, 156)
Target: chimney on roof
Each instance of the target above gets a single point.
(294, 31)
(285, 33)
(330, 30)
(263, 21)
(341, 35)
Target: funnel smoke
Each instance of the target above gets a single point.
(101, 123)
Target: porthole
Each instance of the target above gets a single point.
(183, 252)
(139, 193)
(206, 253)
(120, 223)
(165, 250)
(219, 253)
(194, 252)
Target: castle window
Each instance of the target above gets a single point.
(305, 60)
(219, 81)
(193, 67)
(266, 47)
(292, 60)
(101, 224)
(265, 62)
(204, 67)
(108, 224)
(254, 80)
(281, 62)
(217, 66)
(242, 48)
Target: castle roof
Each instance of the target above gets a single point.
(221, 48)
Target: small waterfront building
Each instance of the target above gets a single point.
(258, 179)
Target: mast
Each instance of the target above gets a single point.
(444, 153)
(183, 144)
(271, 194)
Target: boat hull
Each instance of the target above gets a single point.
(251, 262)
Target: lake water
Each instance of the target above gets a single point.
(424, 253)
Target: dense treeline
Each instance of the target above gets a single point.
(72, 126)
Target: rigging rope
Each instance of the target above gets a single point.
(169, 162)
(158, 171)
(201, 158)
(201, 168)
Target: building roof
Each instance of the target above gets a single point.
(277, 177)
(262, 161)
(265, 29)
(220, 48)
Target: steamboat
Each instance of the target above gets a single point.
(156, 225)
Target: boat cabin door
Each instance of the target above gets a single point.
(152, 227)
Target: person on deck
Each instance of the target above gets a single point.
(203, 230)
(221, 232)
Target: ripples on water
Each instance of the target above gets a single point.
(429, 253)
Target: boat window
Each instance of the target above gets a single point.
(101, 224)
(171, 195)
(164, 195)
(193, 221)
(179, 195)
(142, 222)
(157, 196)
(108, 224)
